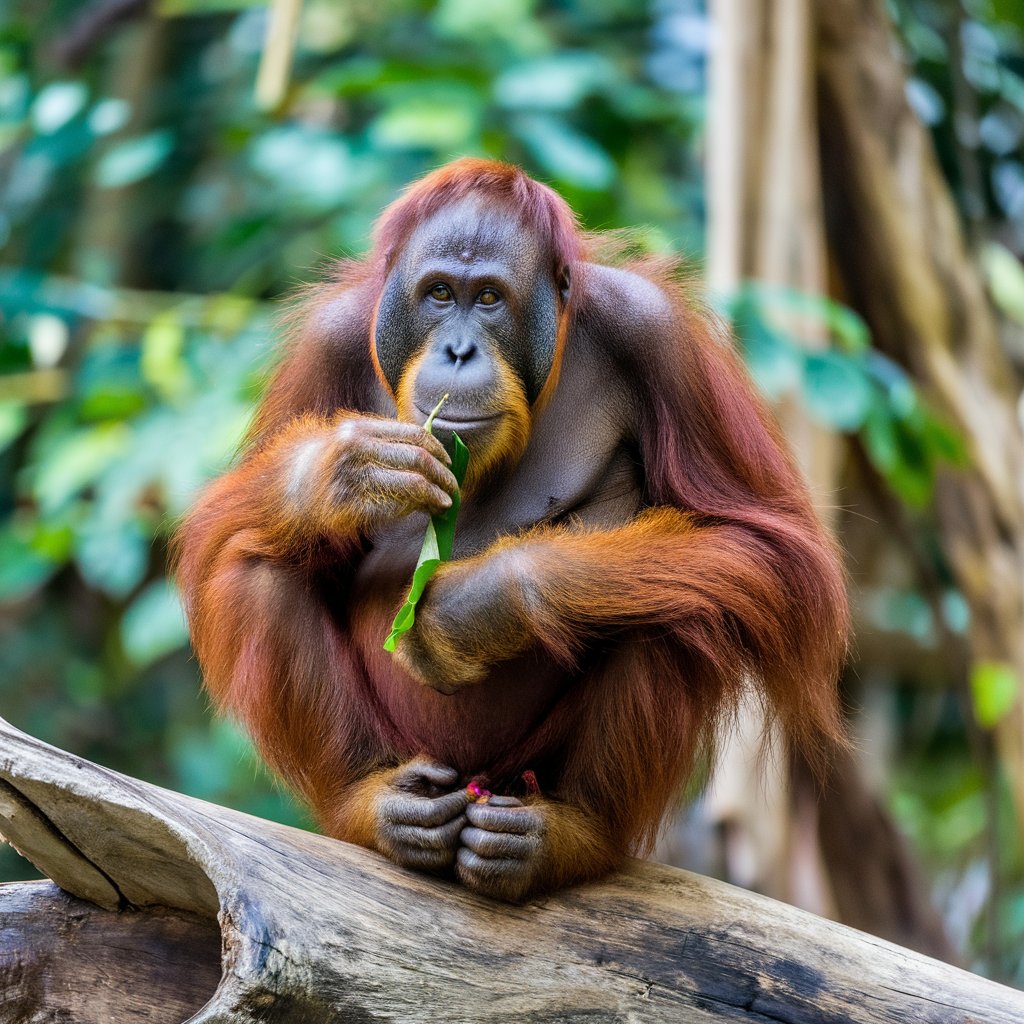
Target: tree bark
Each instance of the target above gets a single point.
(313, 930)
(780, 834)
(900, 249)
(765, 224)
(63, 959)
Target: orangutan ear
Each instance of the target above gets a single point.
(564, 279)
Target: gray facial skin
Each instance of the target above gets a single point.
(470, 286)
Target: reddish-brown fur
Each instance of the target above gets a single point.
(727, 577)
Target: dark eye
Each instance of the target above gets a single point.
(488, 297)
(441, 292)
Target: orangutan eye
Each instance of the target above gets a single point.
(441, 292)
(488, 297)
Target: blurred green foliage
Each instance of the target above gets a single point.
(151, 215)
(967, 63)
(846, 387)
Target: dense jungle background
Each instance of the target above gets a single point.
(849, 177)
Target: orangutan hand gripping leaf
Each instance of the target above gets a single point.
(437, 543)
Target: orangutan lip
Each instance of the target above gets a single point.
(450, 424)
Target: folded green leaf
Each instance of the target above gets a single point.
(437, 544)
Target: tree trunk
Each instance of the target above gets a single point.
(313, 930)
(766, 224)
(898, 243)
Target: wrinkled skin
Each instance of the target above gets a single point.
(420, 816)
(494, 847)
(383, 470)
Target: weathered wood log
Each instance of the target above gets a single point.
(313, 930)
(60, 954)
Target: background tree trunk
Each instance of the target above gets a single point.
(899, 247)
(766, 224)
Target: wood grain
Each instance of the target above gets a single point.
(314, 930)
(63, 959)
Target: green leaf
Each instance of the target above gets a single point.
(56, 104)
(836, 390)
(13, 420)
(179, 8)
(162, 365)
(435, 118)
(897, 451)
(898, 390)
(112, 554)
(444, 524)
(313, 169)
(772, 359)
(497, 20)
(942, 440)
(558, 82)
(22, 568)
(76, 461)
(566, 153)
(437, 545)
(109, 116)
(134, 159)
(154, 624)
(994, 687)
(1005, 275)
(842, 323)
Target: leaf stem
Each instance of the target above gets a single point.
(429, 425)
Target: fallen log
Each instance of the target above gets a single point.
(172, 906)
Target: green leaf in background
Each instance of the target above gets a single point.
(13, 418)
(893, 379)
(179, 8)
(112, 552)
(437, 546)
(773, 360)
(311, 168)
(109, 116)
(836, 390)
(943, 441)
(565, 153)
(880, 441)
(22, 568)
(558, 82)
(134, 159)
(154, 624)
(898, 452)
(56, 104)
(162, 365)
(1005, 276)
(76, 460)
(434, 117)
(843, 325)
(507, 21)
(994, 687)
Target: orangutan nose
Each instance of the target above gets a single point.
(460, 351)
